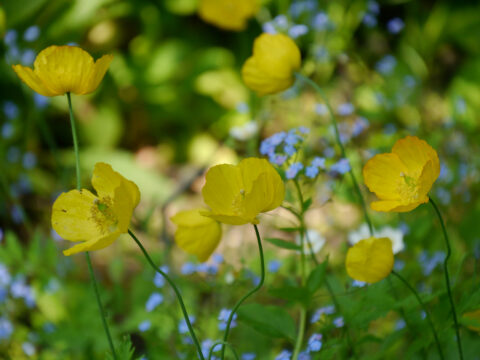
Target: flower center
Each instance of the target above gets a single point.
(409, 188)
(103, 215)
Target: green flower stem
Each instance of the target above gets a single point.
(334, 299)
(177, 293)
(340, 145)
(251, 292)
(422, 304)
(303, 310)
(210, 353)
(447, 277)
(87, 255)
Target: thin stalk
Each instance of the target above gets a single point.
(447, 277)
(251, 292)
(87, 256)
(422, 304)
(319, 90)
(175, 289)
(212, 348)
(301, 333)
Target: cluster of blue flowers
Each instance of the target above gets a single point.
(223, 318)
(394, 26)
(190, 268)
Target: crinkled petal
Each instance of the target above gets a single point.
(263, 83)
(227, 14)
(427, 178)
(33, 81)
(396, 206)
(415, 153)
(72, 216)
(99, 70)
(370, 260)
(94, 244)
(231, 219)
(197, 234)
(223, 186)
(382, 175)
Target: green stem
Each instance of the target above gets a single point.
(87, 256)
(210, 353)
(422, 304)
(301, 333)
(340, 145)
(251, 292)
(175, 289)
(447, 277)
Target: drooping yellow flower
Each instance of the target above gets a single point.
(236, 194)
(272, 66)
(227, 14)
(58, 70)
(370, 260)
(96, 221)
(402, 179)
(475, 316)
(197, 234)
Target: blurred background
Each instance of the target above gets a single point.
(172, 104)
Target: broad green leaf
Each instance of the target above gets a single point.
(317, 277)
(284, 244)
(306, 204)
(268, 320)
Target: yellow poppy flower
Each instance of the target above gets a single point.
(370, 260)
(238, 193)
(402, 179)
(227, 14)
(58, 70)
(97, 221)
(271, 67)
(197, 234)
(473, 315)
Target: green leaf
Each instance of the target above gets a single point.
(306, 204)
(14, 249)
(284, 244)
(317, 277)
(290, 293)
(268, 320)
(290, 229)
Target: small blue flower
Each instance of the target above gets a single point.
(182, 325)
(10, 109)
(311, 172)
(373, 7)
(10, 37)
(329, 152)
(29, 160)
(292, 138)
(28, 348)
(289, 150)
(358, 283)
(318, 162)
(345, 109)
(284, 355)
(274, 265)
(293, 170)
(188, 268)
(144, 325)
(359, 126)
(217, 258)
(32, 33)
(304, 355)
(327, 310)
(342, 166)
(153, 301)
(281, 21)
(278, 159)
(6, 328)
(321, 109)
(40, 101)
(242, 108)
(369, 20)
(339, 322)
(159, 280)
(315, 342)
(409, 81)
(223, 318)
(398, 265)
(248, 356)
(320, 21)
(297, 30)
(28, 57)
(269, 28)
(7, 130)
(20, 290)
(303, 130)
(386, 65)
(395, 25)
(400, 324)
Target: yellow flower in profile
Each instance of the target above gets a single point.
(475, 316)
(271, 68)
(402, 179)
(236, 194)
(370, 260)
(58, 70)
(227, 14)
(96, 221)
(197, 234)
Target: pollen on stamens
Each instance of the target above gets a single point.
(402, 174)
(242, 191)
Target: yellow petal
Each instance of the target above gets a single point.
(94, 244)
(415, 153)
(71, 216)
(197, 234)
(370, 260)
(273, 63)
(227, 14)
(222, 187)
(395, 205)
(427, 178)
(383, 175)
(33, 81)
(100, 68)
(105, 180)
